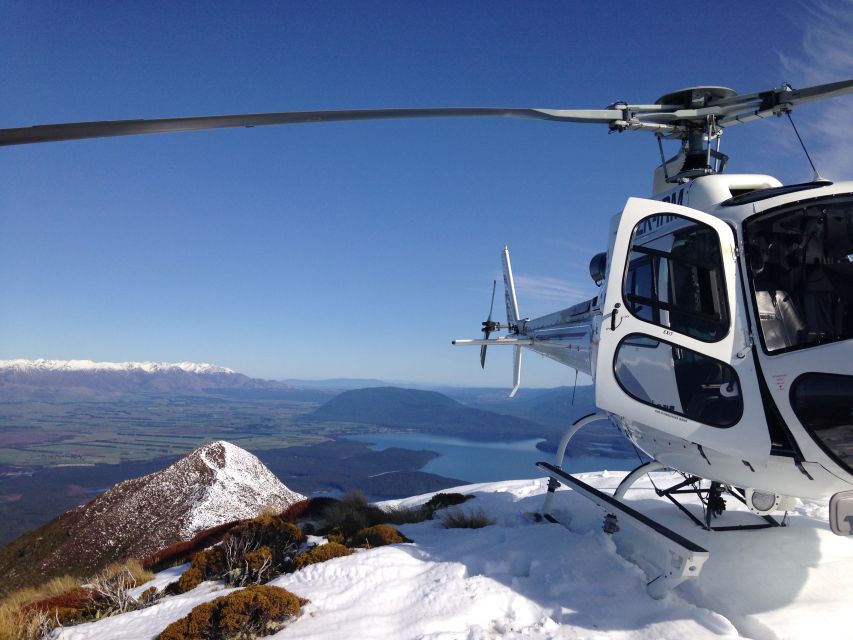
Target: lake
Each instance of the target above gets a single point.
(475, 461)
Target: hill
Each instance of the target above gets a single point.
(430, 411)
(215, 484)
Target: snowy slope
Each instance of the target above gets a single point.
(518, 579)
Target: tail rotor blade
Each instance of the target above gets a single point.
(487, 327)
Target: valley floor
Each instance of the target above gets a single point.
(519, 579)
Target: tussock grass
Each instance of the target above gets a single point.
(134, 567)
(18, 621)
(17, 624)
(456, 518)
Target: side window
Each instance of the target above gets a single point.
(675, 277)
(678, 380)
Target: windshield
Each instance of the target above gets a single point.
(801, 270)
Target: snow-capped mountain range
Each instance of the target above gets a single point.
(215, 484)
(42, 365)
(53, 380)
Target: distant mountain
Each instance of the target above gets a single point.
(52, 380)
(425, 411)
(215, 484)
(557, 409)
(335, 383)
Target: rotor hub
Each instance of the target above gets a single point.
(696, 97)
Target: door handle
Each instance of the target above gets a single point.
(613, 316)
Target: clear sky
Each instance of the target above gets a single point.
(355, 249)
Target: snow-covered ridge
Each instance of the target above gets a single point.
(521, 580)
(42, 364)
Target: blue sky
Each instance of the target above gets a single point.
(354, 249)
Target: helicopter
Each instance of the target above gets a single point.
(719, 342)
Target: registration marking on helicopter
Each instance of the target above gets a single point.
(653, 223)
(670, 415)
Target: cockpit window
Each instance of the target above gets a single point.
(675, 277)
(801, 269)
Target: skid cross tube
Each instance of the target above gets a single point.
(685, 557)
(704, 496)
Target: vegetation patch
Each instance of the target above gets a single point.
(456, 518)
(321, 553)
(30, 614)
(255, 611)
(444, 500)
(181, 552)
(377, 536)
(253, 551)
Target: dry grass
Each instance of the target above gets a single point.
(140, 574)
(456, 518)
(18, 623)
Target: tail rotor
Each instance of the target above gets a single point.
(488, 327)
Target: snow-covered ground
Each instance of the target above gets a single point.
(520, 579)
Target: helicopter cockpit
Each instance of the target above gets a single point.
(801, 271)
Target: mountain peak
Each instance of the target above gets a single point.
(216, 483)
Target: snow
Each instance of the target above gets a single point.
(522, 579)
(88, 365)
(242, 488)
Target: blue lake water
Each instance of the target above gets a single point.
(475, 461)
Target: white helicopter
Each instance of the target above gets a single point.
(720, 339)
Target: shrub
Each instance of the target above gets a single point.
(321, 553)
(255, 611)
(110, 589)
(350, 514)
(189, 580)
(457, 519)
(377, 536)
(426, 511)
(260, 549)
(183, 551)
(73, 606)
(267, 530)
(444, 500)
(253, 551)
(210, 562)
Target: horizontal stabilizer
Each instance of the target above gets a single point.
(495, 341)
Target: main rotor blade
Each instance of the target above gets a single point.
(110, 128)
(760, 105)
(820, 92)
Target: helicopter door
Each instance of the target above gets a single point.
(673, 350)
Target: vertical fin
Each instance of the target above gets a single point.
(516, 371)
(512, 315)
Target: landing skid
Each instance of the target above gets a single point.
(685, 557)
